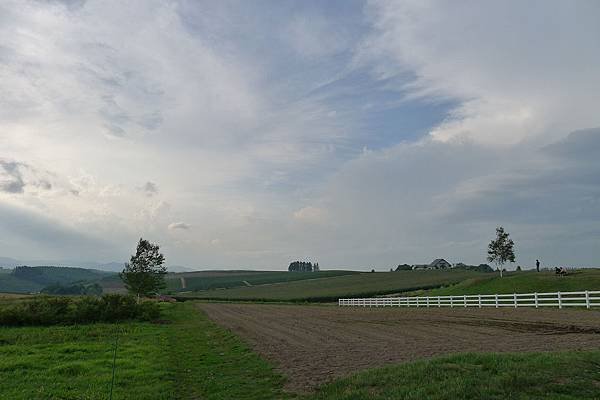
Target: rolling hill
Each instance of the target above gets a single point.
(525, 282)
(33, 279)
(333, 287)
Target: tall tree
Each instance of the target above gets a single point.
(144, 274)
(501, 249)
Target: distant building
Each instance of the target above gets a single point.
(438, 263)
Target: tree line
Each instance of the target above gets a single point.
(303, 266)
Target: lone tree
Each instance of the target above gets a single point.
(501, 249)
(144, 274)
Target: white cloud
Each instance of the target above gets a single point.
(310, 214)
(520, 71)
(179, 226)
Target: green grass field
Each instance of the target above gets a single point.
(191, 358)
(557, 376)
(188, 358)
(330, 289)
(524, 282)
(229, 279)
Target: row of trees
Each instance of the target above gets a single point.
(303, 266)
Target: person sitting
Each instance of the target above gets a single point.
(560, 270)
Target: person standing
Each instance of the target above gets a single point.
(537, 265)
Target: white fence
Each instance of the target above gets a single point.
(586, 299)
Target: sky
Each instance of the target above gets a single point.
(248, 134)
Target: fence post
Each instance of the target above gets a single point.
(496, 301)
(417, 302)
(427, 300)
(587, 299)
(515, 298)
(479, 301)
(559, 300)
(465, 300)
(535, 296)
(451, 301)
(439, 302)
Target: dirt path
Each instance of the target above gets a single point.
(312, 345)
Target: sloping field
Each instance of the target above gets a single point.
(206, 280)
(330, 289)
(312, 345)
(33, 279)
(525, 282)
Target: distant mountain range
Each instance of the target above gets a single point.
(7, 262)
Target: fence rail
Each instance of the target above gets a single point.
(587, 298)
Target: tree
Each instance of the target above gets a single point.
(501, 250)
(144, 274)
(303, 266)
(404, 267)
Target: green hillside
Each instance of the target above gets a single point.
(33, 279)
(331, 288)
(206, 280)
(525, 282)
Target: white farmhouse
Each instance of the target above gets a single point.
(438, 263)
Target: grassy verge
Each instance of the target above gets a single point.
(524, 282)
(188, 358)
(574, 375)
(213, 364)
(75, 362)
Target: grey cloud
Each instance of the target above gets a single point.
(150, 188)
(14, 179)
(560, 183)
(579, 145)
(25, 230)
(415, 201)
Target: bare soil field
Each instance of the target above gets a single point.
(312, 345)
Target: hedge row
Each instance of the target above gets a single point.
(44, 310)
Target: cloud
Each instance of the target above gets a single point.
(150, 189)
(24, 230)
(179, 226)
(15, 176)
(519, 71)
(12, 181)
(310, 214)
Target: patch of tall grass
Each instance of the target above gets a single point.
(46, 310)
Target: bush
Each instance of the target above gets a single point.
(45, 310)
(75, 289)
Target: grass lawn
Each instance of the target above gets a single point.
(330, 289)
(188, 358)
(524, 282)
(574, 375)
(75, 362)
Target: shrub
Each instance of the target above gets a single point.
(45, 310)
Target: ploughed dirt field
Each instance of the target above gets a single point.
(315, 344)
